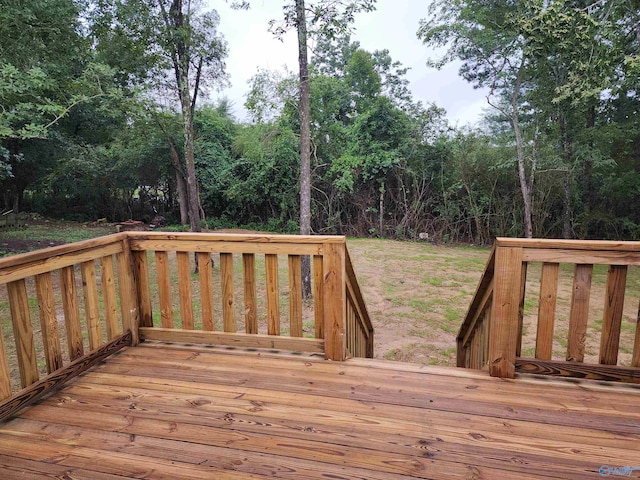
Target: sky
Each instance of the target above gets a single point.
(392, 26)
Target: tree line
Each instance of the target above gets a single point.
(103, 117)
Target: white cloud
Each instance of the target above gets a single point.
(392, 26)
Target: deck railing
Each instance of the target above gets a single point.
(491, 335)
(103, 294)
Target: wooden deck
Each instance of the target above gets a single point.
(176, 411)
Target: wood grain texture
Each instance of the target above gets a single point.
(45, 386)
(547, 310)
(560, 244)
(184, 290)
(128, 292)
(5, 373)
(484, 290)
(310, 345)
(23, 332)
(579, 315)
(48, 322)
(109, 297)
(335, 301)
(227, 246)
(612, 317)
(55, 258)
(206, 291)
(228, 303)
(71, 312)
(143, 289)
(609, 373)
(91, 303)
(584, 256)
(250, 297)
(635, 358)
(177, 411)
(295, 296)
(318, 296)
(164, 289)
(505, 312)
(359, 303)
(523, 287)
(273, 294)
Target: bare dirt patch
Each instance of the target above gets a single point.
(417, 295)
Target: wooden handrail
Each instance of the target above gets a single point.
(491, 334)
(362, 339)
(86, 282)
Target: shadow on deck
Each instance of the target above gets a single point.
(162, 410)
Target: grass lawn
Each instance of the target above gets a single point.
(417, 293)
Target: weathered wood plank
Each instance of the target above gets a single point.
(115, 463)
(547, 310)
(33, 393)
(164, 289)
(128, 292)
(71, 312)
(48, 322)
(335, 301)
(635, 358)
(91, 303)
(206, 291)
(228, 303)
(56, 258)
(555, 244)
(505, 312)
(141, 265)
(318, 296)
(5, 373)
(184, 290)
(250, 297)
(609, 373)
(109, 297)
(579, 314)
(478, 315)
(311, 345)
(27, 469)
(612, 317)
(486, 282)
(23, 332)
(228, 246)
(523, 287)
(359, 303)
(582, 256)
(273, 294)
(295, 296)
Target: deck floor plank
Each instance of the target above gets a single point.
(177, 411)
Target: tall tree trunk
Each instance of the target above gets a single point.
(181, 185)
(381, 210)
(181, 59)
(566, 205)
(587, 187)
(192, 182)
(525, 187)
(305, 143)
(567, 154)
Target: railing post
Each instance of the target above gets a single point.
(335, 301)
(128, 292)
(505, 312)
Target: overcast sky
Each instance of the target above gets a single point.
(392, 26)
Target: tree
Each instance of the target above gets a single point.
(326, 18)
(151, 41)
(489, 39)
